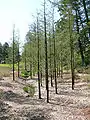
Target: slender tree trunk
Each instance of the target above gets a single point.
(50, 60)
(18, 61)
(59, 70)
(31, 69)
(41, 77)
(25, 60)
(41, 72)
(13, 54)
(46, 56)
(61, 64)
(38, 61)
(72, 51)
(54, 55)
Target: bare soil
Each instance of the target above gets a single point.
(68, 104)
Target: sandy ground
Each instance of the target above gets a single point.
(68, 104)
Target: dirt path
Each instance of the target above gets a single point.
(66, 105)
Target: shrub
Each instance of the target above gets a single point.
(24, 74)
(30, 89)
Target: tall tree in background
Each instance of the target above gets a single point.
(38, 57)
(54, 53)
(13, 52)
(71, 47)
(25, 62)
(50, 51)
(46, 55)
(18, 57)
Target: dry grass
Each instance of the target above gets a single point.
(4, 71)
(85, 78)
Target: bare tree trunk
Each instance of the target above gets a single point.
(25, 60)
(50, 60)
(72, 51)
(38, 60)
(18, 59)
(13, 53)
(61, 64)
(46, 56)
(59, 70)
(54, 55)
(41, 77)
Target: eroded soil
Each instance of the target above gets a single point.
(68, 104)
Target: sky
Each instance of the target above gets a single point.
(18, 12)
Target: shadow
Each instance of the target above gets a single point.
(71, 93)
(14, 97)
(53, 103)
(20, 82)
(27, 113)
(34, 79)
(6, 84)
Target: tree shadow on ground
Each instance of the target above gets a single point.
(20, 99)
(72, 93)
(6, 84)
(18, 114)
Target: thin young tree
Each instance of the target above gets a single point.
(13, 52)
(25, 66)
(50, 49)
(54, 54)
(72, 49)
(18, 58)
(46, 55)
(38, 58)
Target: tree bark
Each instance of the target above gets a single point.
(38, 61)
(13, 54)
(46, 56)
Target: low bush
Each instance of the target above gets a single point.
(30, 89)
(24, 74)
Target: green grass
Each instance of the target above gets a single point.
(6, 68)
(4, 65)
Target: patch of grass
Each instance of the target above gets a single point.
(30, 89)
(89, 86)
(86, 78)
(4, 70)
(4, 65)
(25, 74)
(85, 70)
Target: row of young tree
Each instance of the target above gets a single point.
(53, 46)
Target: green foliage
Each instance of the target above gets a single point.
(30, 89)
(25, 74)
(9, 60)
